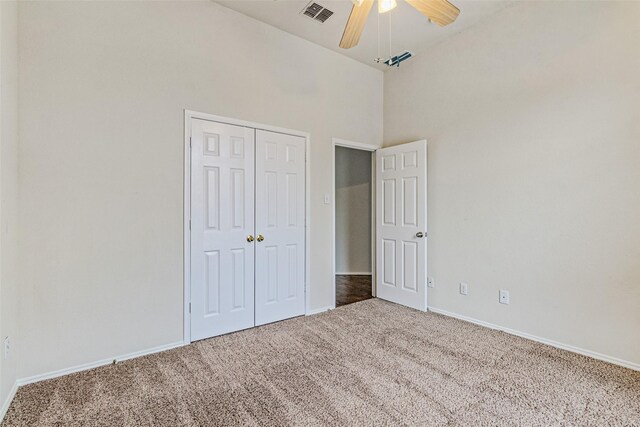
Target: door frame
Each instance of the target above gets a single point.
(188, 116)
(338, 142)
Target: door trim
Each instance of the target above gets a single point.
(338, 142)
(188, 115)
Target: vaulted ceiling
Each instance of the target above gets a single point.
(404, 28)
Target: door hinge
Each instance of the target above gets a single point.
(189, 224)
(189, 307)
(189, 142)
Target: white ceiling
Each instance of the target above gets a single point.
(410, 30)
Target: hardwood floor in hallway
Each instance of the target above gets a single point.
(350, 289)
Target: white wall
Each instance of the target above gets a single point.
(533, 125)
(353, 210)
(103, 86)
(533, 179)
(8, 192)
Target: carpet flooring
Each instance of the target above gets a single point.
(368, 363)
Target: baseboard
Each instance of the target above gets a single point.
(357, 273)
(8, 400)
(319, 310)
(96, 364)
(588, 353)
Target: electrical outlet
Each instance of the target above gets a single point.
(504, 296)
(431, 282)
(464, 288)
(7, 347)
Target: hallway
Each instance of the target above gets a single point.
(351, 288)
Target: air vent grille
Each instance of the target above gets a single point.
(313, 9)
(317, 12)
(323, 15)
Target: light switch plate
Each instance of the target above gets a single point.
(7, 347)
(464, 288)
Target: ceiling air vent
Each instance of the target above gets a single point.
(317, 12)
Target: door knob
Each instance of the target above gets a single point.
(260, 238)
(249, 238)
(420, 234)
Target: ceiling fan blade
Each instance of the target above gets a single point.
(439, 11)
(355, 24)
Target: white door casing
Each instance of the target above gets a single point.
(280, 220)
(401, 217)
(222, 217)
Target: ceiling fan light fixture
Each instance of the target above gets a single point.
(386, 5)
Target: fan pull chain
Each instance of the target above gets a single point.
(378, 59)
(389, 18)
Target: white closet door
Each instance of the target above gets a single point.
(401, 216)
(280, 216)
(222, 217)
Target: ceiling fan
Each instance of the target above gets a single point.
(439, 11)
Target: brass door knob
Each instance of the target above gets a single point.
(249, 238)
(260, 238)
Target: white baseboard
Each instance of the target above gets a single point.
(319, 310)
(589, 353)
(8, 400)
(357, 273)
(96, 364)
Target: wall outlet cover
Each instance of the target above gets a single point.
(504, 296)
(431, 283)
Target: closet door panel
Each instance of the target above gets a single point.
(222, 217)
(280, 216)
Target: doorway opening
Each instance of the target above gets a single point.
(353, 222)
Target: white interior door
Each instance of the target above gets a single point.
(401, 217)
(280, 227)
(222, 217)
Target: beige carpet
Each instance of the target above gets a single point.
(369, 363)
